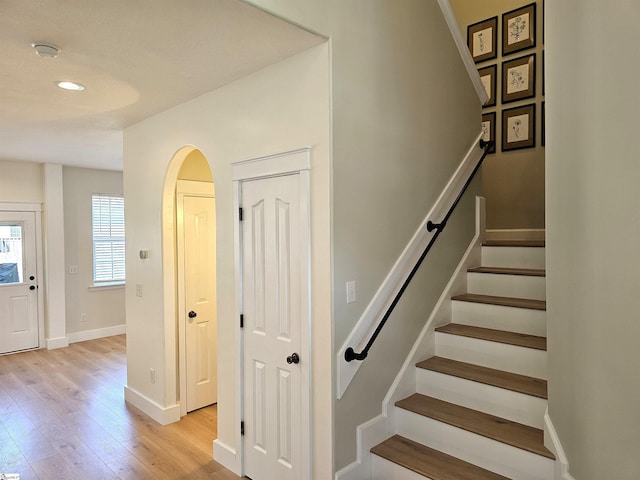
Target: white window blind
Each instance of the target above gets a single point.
(108, 238)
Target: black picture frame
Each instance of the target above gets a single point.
(519, 78)
(482, 39)
(518, 127)
(488, 78)
(543, 122)
(489, 129)
(519, 29)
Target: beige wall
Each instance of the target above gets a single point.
(404, 115)
(593, 233)
(195, 167)
(104, 307)
(513, 181)
(288, 107)
(21, 182)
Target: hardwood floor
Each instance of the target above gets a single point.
(63, 416)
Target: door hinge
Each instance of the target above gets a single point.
(242, 428)
(241, 320)
(240, 213)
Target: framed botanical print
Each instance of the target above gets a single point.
(519, 78)
(519, 29)
(482, 39)
(488, 78)
(489, 129)
(518, 127)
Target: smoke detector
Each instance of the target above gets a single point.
(45, 50)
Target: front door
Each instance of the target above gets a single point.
(274, 252)
(197, 247)
(18, 282)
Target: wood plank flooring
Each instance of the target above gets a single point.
(63, 417)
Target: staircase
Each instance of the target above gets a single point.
(479, 405)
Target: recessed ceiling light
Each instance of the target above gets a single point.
(45, 50)
(75, 87)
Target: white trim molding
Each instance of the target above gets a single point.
(552, 442)
(467, 59)
(162, 415)
(368, 435)
(60, 342)
(225, 455)
(85, 335)
(400, 271)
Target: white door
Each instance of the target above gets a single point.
(197, 243)
(18, 282)
(275, 308)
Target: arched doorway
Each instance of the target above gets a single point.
(189, 265)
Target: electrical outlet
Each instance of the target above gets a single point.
(152, 375)
(83, 317)
(351, 291)
(138, 290)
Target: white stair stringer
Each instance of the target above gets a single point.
(500, 402)
(506, 285)
(500, 356)
(484, 452)
(513, 257)
(499, 317)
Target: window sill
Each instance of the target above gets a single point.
(107, 286)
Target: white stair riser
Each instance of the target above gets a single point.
(382, 469)
(498, 317)
(494, 456)
(514, 406)
(513, 257)
(516, 286)
(510, 358)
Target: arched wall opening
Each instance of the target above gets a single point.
(187, 166)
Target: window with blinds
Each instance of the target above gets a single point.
(108, 238)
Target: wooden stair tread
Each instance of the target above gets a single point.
(502, 301)
(514, 243)
(429, 462)
(500, 429)
(510, 381)
(499, 336)
(529, 272)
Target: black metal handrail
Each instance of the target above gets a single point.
(350, 354)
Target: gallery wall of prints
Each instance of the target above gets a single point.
(506, 40)
(510, 40)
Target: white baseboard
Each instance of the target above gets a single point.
(60, 342)
(97, 333)
(162, 415)
(526, 234)
(552, 442)
(226, 456)
(369, 434)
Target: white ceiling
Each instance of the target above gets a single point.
(136, 58)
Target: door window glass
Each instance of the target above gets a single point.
(11, 259)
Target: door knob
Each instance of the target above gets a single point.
(293, 358)
(192, 314)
